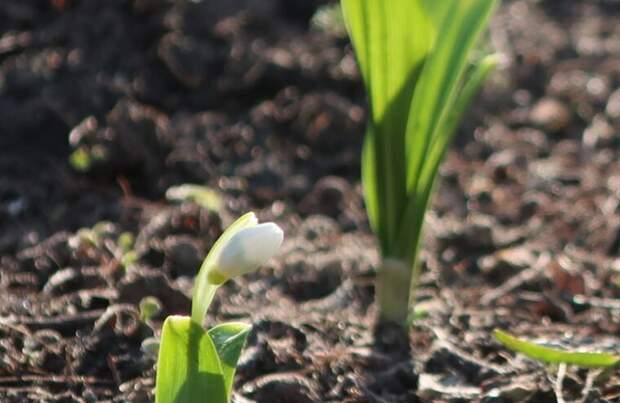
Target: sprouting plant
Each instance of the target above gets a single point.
(416, 61)
(127, 255)
(201, 195)
(83, 158)
(197, 365)
(149, 308)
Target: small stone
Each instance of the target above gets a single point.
(479, 231)
(328, 197)
(505, 263)
(280, 388)
(447, 389)
(517, 389)
(189, 61)
(599, 133)
(84, 130)
(140, 283)
(447, 358)
(256, 359)
(182, 255)
(503, 164)
(551, 115)
(613, 105)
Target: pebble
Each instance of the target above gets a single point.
(182, 255)
(551, 115)
(613, 105)
(189, 61)
(280, 388)
(433, 387)
(599, 133)
(139, 283)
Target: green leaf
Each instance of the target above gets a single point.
(204, 291)
(229, 339)
(188, 366)
(369, 179)
(441, 140)
(389, 37)
(554, 355)
(414, 57)
(411, 232)
(149, 308)
(475, 78)
(391, 40)
(436, 95)
(461, 25)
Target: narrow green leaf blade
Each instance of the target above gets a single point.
(391, 40)
(436, 11)
(461, 26)
(438, 102)
(229, 339)
(554, 355)
(188, 366)
(369, 179)
(451, 118)
(418, 202)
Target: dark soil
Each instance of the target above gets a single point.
(251, 99)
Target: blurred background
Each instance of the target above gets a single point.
(107, 107)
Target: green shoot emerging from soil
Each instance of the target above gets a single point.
(197, 365)
(415, 57)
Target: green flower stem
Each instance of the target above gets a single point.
(204, 288)
(199, 308)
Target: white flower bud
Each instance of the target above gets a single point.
(248, 249)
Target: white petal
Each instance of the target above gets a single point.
(248, 249)
(252, 219)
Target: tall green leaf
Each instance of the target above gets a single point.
(189, 368)
(371, 189)
(391, 39)
(411, 230)
(461, 25)
(436, 95)
(229, 339)
(414, 56)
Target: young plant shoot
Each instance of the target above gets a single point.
(197, 365)
(416, 61)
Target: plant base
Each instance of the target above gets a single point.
(392, 291)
